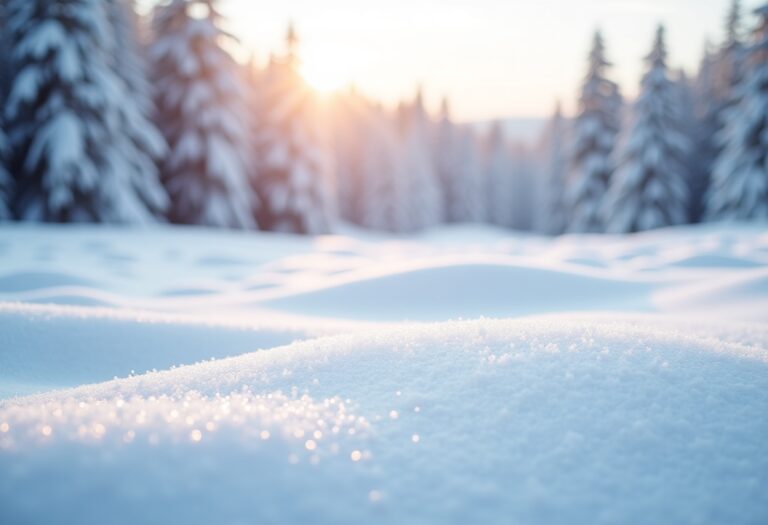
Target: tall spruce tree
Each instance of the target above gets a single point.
(5, 179)
(524, 192)
(67, 114)
(594, 139)
(369, 163)
(690, 125)
(203, 115)
(649, 187)
(447, 162)
(295, 189)
(739, 188)
(146, 143)
(704, 135)
(5, 77)
(730, 61)
(553, 212)
(5, 56)
(384, 175)
(716, 91)
(498, 167)
(349, 118)
(423, 196)
(471, 199)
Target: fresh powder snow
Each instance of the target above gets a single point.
(199, 376)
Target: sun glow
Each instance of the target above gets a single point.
(324, 76)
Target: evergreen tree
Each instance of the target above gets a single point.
(730, 62)
(447, 162)
(146, 143)
(351, 133)
(5, 77)
(524, 195)
(295, 190)
(716, 91)
(5, 56)
(470, 202)
(369, 167)
(649, 187)
(67, 114)
(739, 188)
(696, 172)
(553, 212)
(5, 180)
(595, 133)
(498, 169)
(703, 136)
(384, 175)
(202, 113)
(423, 198)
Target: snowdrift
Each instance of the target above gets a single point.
(49, 347)
(184, 375)
(467, 290)
(492, 421)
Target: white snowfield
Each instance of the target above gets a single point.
(595, 380)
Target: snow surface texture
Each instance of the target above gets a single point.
(635, 390)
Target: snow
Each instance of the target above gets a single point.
(597, 379)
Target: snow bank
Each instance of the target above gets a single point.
(48, 347)
(462, 422)
(436, 291)
(637, 391)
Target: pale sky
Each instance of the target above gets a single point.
(492, 58)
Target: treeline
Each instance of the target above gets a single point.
(687, 150)
(107, 117)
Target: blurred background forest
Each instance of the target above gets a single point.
(116, 115)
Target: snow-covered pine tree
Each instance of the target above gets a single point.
(5, 57)
(649, 187)
(146, 145)
(595, 133)
(739, 188)
(367, 163)
(67, 112)
(5, 77)
(130, 61)
(424, 198)
(294, 185)
(729, 63)
(5, 179)
(471, 205)
(384, 184)
(498, 168)
(524, 174)
(447, 162)
(697, 173)
(553, 214)
(349, 112)
(203, 115)
(707, 125)
(715, 91)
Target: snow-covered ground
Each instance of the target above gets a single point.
(466, 375)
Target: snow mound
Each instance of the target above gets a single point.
(48, 347)
(744, 294)
(468, 290)
(524, 421)
(716, 261)
(26, 281)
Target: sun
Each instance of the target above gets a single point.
(324, 76)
